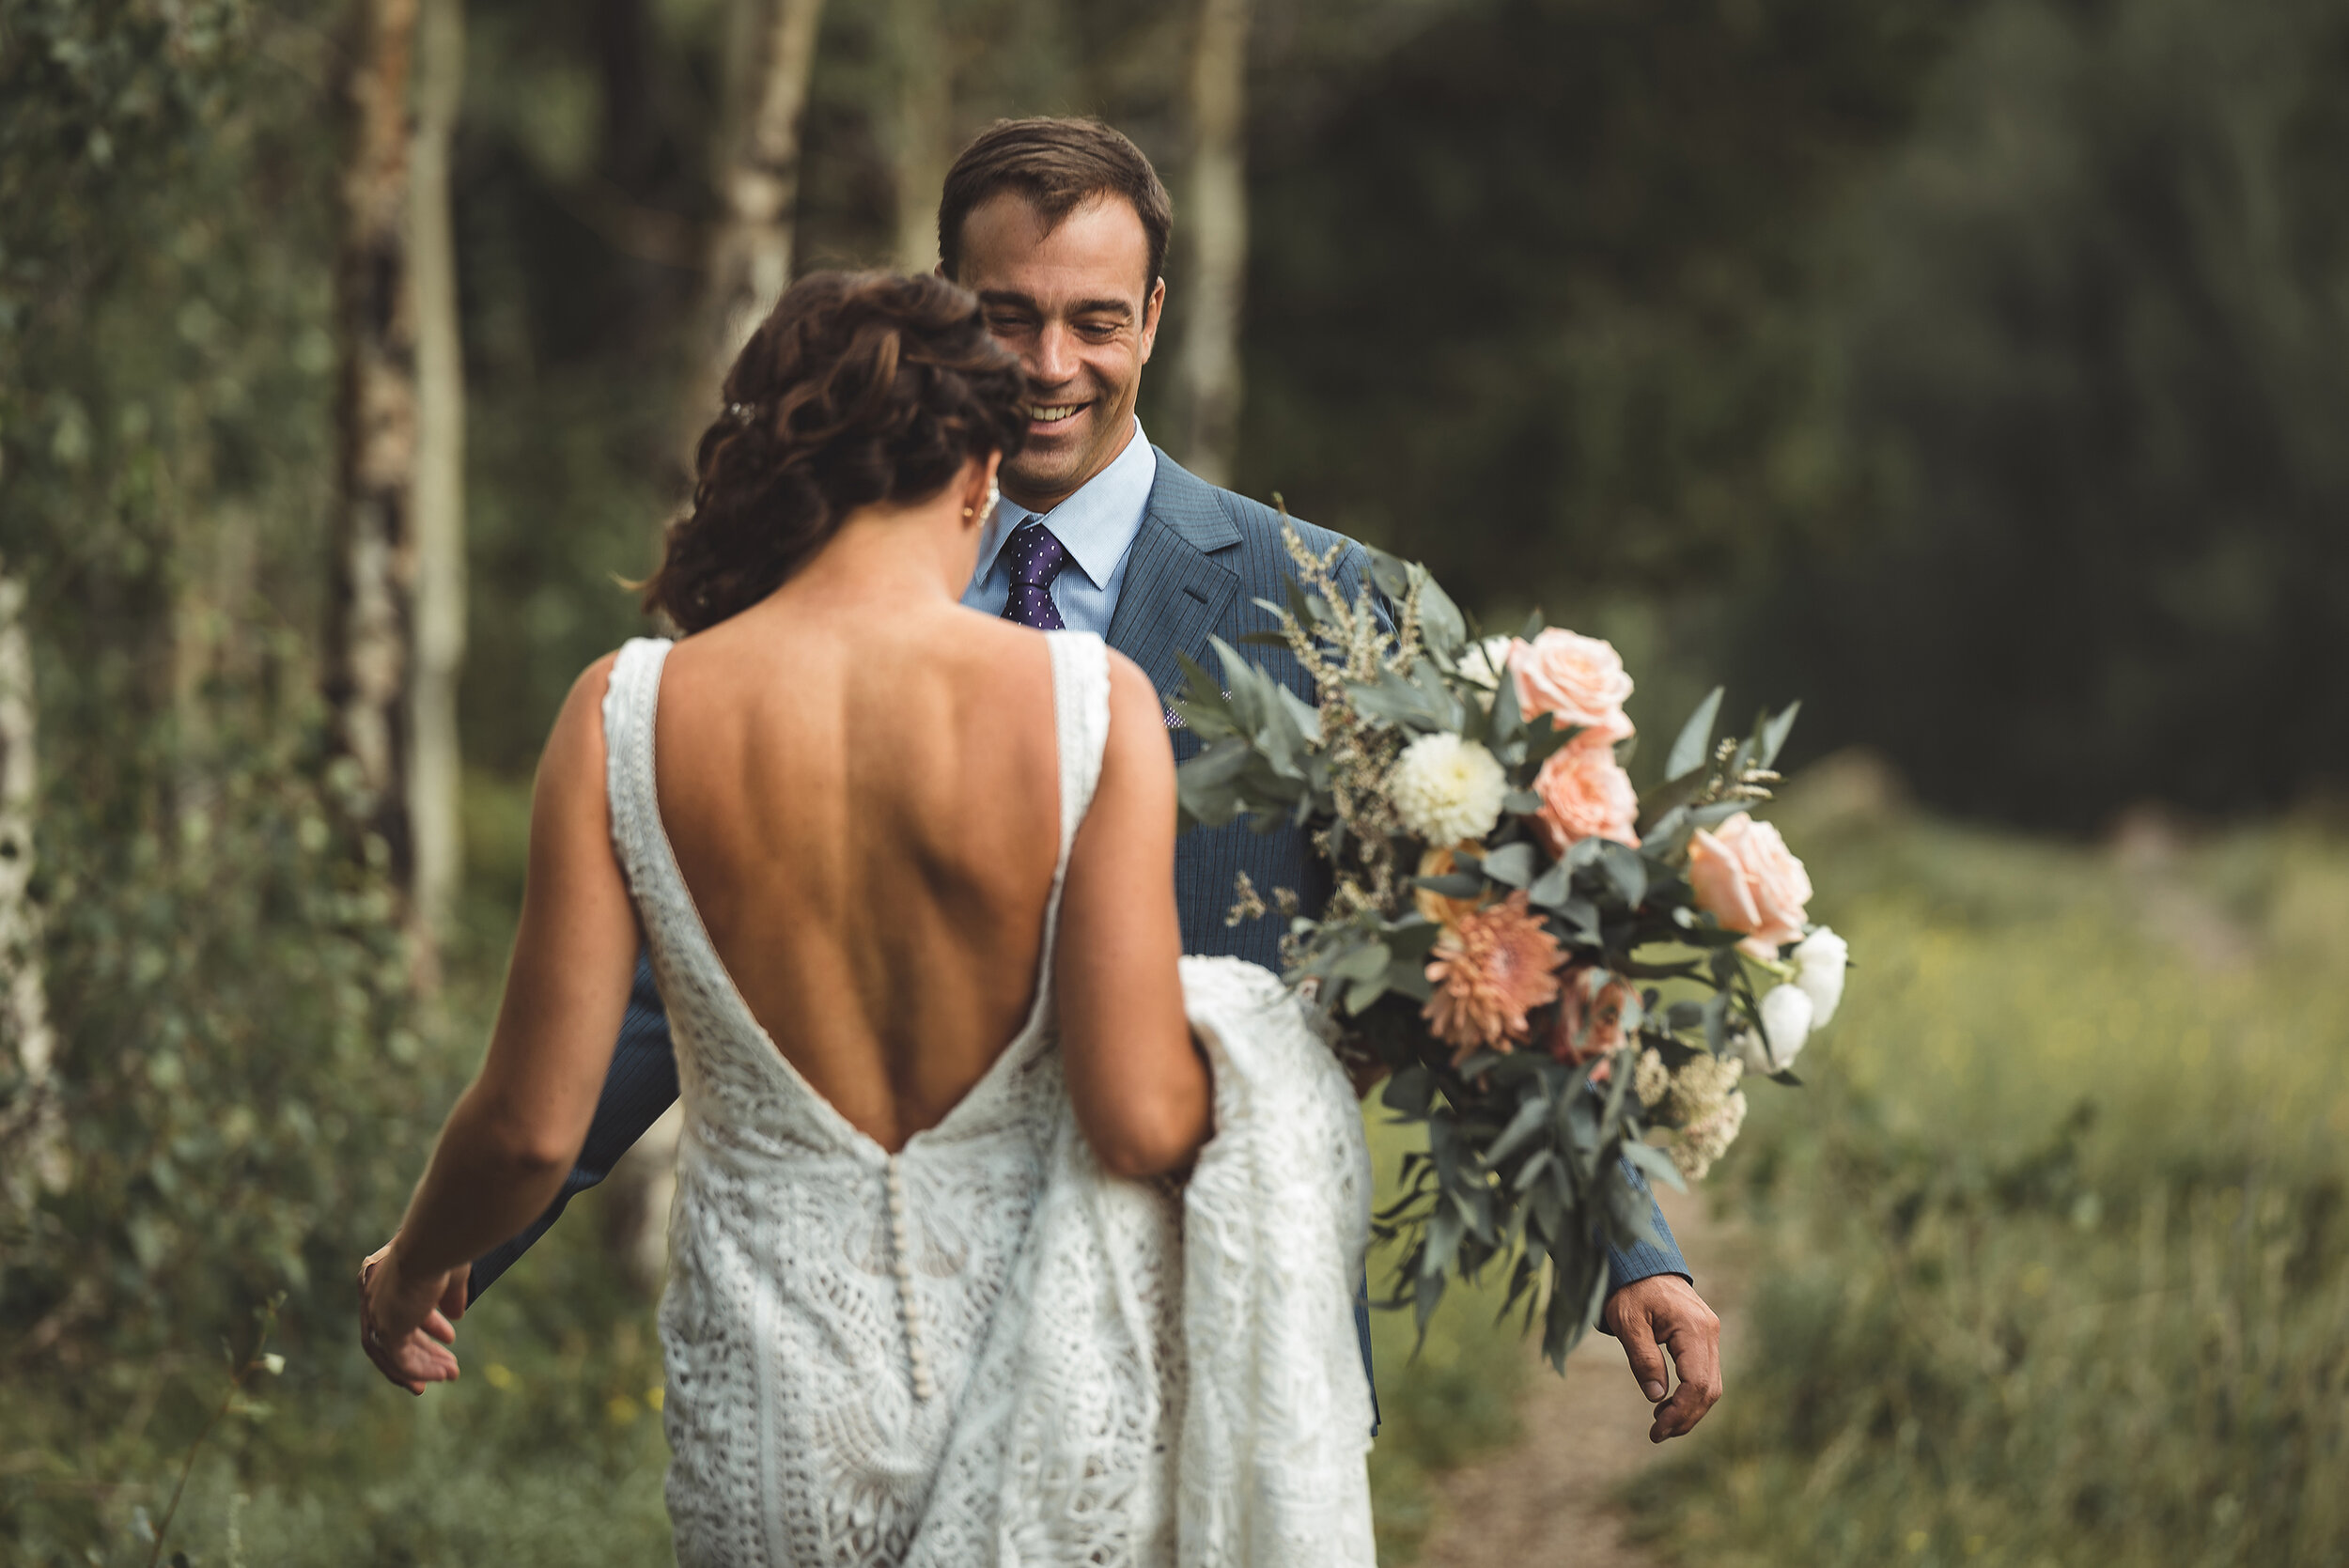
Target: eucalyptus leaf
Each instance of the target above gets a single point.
(1479, 1063)
(1425, 1296)
(1528, 1119)
(1668, 834)
(1696, 737)
(1412, 939)
(1544, 735)
(1409, 1091)
(1628, 1209)
(1512, 864)
(1391, 573)
(1657, 1163)
(1717, 1023)
(1440, 619)
(1444, 1230)
(1508, 718)
(1410, 977)
(1625, 869)
(1582, 917)
(1774, 734)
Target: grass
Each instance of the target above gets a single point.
(1440, 1402)
(2051, 1262)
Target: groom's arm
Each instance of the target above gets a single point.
(1644, 1260)
(1654, 1311)
(641, 1084)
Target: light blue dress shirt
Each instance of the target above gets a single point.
(1097, 525)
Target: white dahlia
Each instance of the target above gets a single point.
(1447, 790)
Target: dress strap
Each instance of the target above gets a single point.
(1081, 717)
(631, 701)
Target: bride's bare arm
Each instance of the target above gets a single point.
(513, 1135)
(1140, 1086)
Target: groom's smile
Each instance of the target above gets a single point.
(1073, 299)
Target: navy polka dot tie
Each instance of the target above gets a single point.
(1035, 558)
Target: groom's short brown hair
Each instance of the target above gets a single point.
(1058, 163)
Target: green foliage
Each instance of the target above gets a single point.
(2095, 324)
(1535, 297)
(2050, 1259)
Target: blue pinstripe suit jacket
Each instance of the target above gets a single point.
(1201, 558)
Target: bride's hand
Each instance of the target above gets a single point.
(407, 1323)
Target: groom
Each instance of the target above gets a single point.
(1060, 227)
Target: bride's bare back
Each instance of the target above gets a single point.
(860, 782)
(867, 815)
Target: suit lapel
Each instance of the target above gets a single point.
(1175, 590)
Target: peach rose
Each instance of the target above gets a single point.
(1574, 679)
(1591, 1019)
(1746, 878)
(1585, 792)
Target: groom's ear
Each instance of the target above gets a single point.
(1153, 306)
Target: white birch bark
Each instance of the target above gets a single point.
(749, 262)
(434, 762)
(31, 1150)
(369, 632)
(1218, 224)
(920, 150)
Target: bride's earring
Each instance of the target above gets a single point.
(986, 508)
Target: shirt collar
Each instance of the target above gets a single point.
(1097, 524)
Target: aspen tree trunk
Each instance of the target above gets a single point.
(369, 658)
(919, 148)
(434, 764)
(1217, 223)
(750, 260)
(31, 1149)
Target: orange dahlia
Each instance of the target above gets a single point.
(1490, 968)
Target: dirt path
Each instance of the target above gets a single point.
(1550, 1499)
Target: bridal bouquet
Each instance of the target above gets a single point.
(1567, 979)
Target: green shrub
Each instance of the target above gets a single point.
(2051, 1263)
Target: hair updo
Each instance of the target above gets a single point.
(859, 389)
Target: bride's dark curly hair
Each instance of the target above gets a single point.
(858, 388)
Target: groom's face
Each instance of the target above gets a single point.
(1076, 303)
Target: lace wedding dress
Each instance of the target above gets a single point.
(981, 1349)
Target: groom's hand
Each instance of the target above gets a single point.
(1663, 1315)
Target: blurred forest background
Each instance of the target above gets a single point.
(1976, 370)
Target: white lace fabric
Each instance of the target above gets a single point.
(983, 1349)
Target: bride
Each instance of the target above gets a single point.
(1002, 1233)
